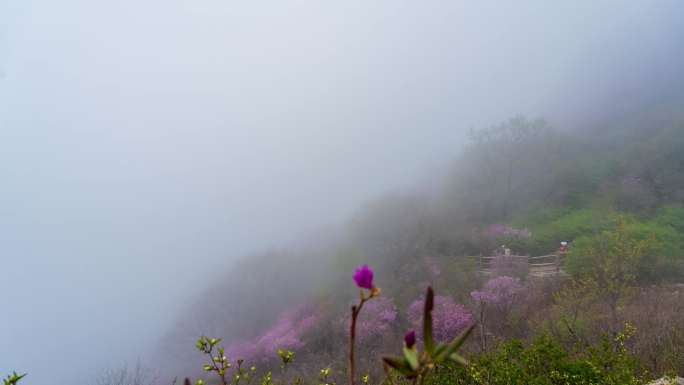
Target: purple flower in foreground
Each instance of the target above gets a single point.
(410, 339)
(363, 276)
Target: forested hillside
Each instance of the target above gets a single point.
(614, 315)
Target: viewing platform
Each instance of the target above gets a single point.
(538, 267)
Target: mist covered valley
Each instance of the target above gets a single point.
(180, 170)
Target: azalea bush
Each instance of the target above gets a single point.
(286, 332)
(378, 319)
(495, 300)
(448, 318)
(499, 292)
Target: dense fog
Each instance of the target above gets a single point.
(146, 146)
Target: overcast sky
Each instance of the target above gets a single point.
(144, 143)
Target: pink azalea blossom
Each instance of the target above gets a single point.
(448, 317)
(499, 291)
(286, 333)
(376, 318)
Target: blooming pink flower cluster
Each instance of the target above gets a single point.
(448, 317)
(500, 231)
(376, 318)
(286, 333)
(499, 291)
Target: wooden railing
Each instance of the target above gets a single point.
(539, 266)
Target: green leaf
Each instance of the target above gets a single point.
(399, 365)
(13, 379)
(455, 344)
(439, 349)
(411, 356)
(427, 321)
(458, 359)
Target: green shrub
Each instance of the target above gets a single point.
(652, 251)
(545, 362)
(546, 237)
(672, 216)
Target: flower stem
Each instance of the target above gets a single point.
(356, 309)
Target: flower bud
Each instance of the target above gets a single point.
(410, 339)
(363, 276)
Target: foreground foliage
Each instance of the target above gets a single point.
(13, 379)
(546, 362)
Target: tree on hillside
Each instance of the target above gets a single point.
(610, 263)
(508, 167)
